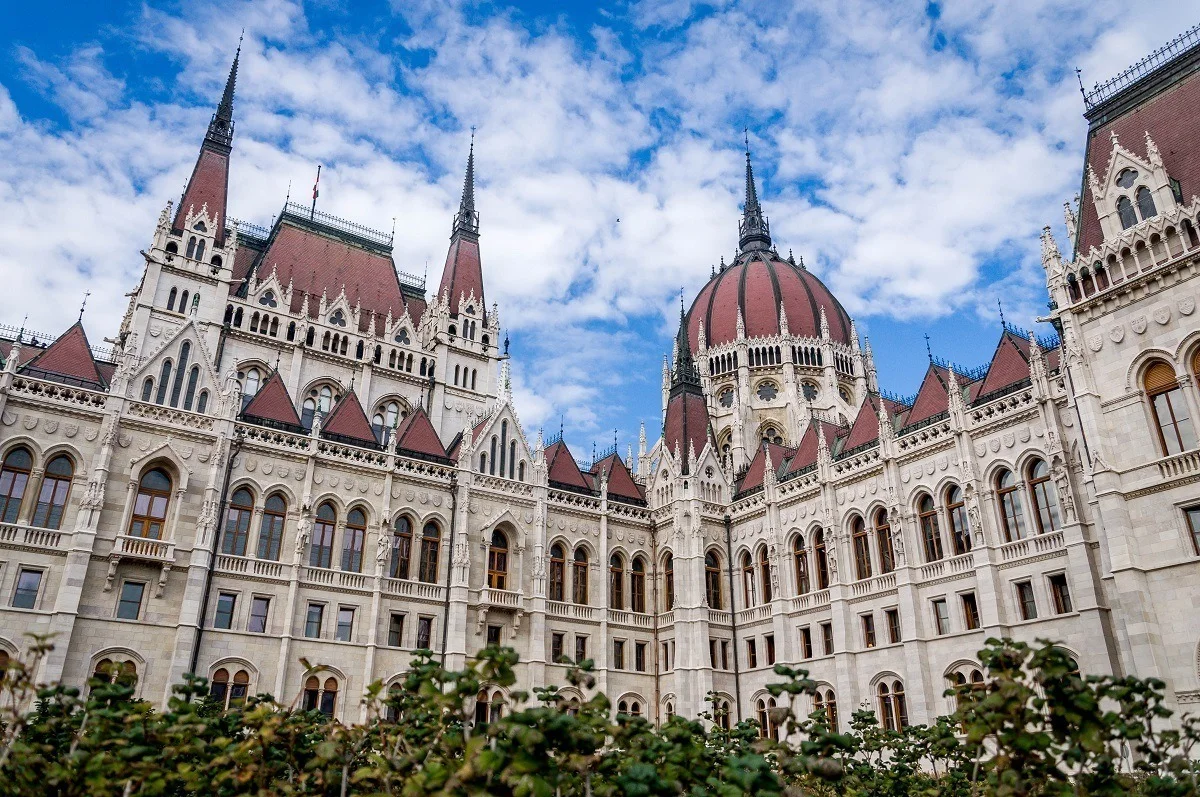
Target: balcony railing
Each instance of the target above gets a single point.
(12, 535)
(151, 550)
(500, 598)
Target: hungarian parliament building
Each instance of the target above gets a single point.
(296, 452)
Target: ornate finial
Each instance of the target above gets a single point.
(754, 232)
(84, 304)
(1079, 77)
(467, 220)
(220, 127)
(928, 350)
(1001, 306)
(507, 343)
(561, 419)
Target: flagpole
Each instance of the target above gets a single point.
(312, 214)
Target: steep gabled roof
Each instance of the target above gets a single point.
(806, 452)
(933, 397)
(865, 428)
(68, 359)
(686, 424)
(416, 435)
(1010, 363)
(620, 480)
(273, 403)
(758, 466)
(561, 467)
(348, 420)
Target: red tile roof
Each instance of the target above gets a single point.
(70, 359)
(209, 184)
(687, 424)
(806, 453)
(1010, 363)
(620, 480)
(932, 398)
(416, 434)
(865, 428)
(561, 467)
(463, 272)
(758, 466)
(272, 403)
(347, 419)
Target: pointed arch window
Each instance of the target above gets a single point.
(171, 298)
(189, 395)
(1145, 203)
(883, 539)
(52, 498)
(1126, 213)
(1045, 497)
(321, 554)
(431, 540)
(930, 535)
(822, 559)
(669, 582)
(237, 523)
(956, 514)
(270, 530)
(579, 576)
(185, 352)
(226, 692)
(150, 505)
(862, 548)
(1012, 513)
(164, 379)
(637, 585)
(712, 580)
(1171, 418)
(616, 582)
(14, 477)
(497, 572)
(800, 563)
(764, 573)
(558, 570)
(191, 247)
(402, 537)
(353, 539)
(148, 388)
(749, 592)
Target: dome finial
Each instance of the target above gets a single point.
(754, 232)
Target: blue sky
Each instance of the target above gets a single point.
(911, 152)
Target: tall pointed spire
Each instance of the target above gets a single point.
(754, 231)
(220, 127)
(462, 276)
(467, 219)
(686, 372)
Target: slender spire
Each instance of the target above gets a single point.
(220, 127)
(754, 232)
(467, 219)
(685, 372)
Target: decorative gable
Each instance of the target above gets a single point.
(273, 404)
(68, 359)
(347, 420)
(1132, 189)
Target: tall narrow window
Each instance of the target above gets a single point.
(930, 536)
(402, 538)
(237, 523)
(558, 572)
(29, 582)
(497, 571)
(345, 624)
(1026, 603)
(270, 531)
(185, 352)
(637, 585)
(970, 611)
(260, 606)
(616, 582)
(164, 379)
(941, 616)
(1061, 593)
(822, 559)
(129, 607)
(189, 395)
(1126, 213)
(171, 298)
(712, 580)
(321, 554)
(883, 539)
(353, 540)
(579, 576)
(749, 593)
(313, 620)
(1145, 202)
(956, 512)
(1171, 418)
(431, 540)
(764, 573)
(150, 505)
(669, 582)
(52, 499)
(862, 548)
(800, 562)
(1012, 514)
(1045, 497)
(226, 604)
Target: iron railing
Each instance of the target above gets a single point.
(1161, 57)
(345, 227)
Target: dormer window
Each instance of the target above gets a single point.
(1125, 211)
(1126, 178)
(338, 319)
(402, 336)
(1145, 203)
(268, 299)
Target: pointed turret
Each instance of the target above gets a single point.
(685, 426)
(754, 232)
(208, 186)
(463, 275)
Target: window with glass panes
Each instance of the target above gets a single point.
(223, 618)
(260, 607)
(396, 630)
(129, 605)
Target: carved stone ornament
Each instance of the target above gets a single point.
(1162, 315)
(1117, 333)
(1187, 305)
(251, 464)
(1096, 342)
(1138, 324)
(71, 429)
(30, 422)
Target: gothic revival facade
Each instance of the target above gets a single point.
(294, 452)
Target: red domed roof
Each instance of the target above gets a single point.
(758, 283)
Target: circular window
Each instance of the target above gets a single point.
(402, 336)
(845, 395)
(708, 471)
(810, 390)
(1127, 177)
(767, 391)
(726, 397)
(771, 435)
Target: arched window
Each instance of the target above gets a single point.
(893, 710)
(822, 559)
(1145, 203)
(183, 302)
(52, 499)
(763, 718)
(237, 523)
(862, 548)
(320, 697)
(1171, 418)
(237, 320)
(189, 395)
(579, 576)
(402, 537)
(930, 536)
(123, 673)
(353, 540)
(172, 249)
(1125, 213)
(1012, 513)
(558, 572)
(14, 476)
(616, 582)
(252, 382)
(481, 708)
(321, 554)
(956, 513)
(1044, 496)
(712, 580)
(229, 693)
(764, 573)
(497, 570)
(800, 562)
(749, 593)
(669, 582)
(431, 540)
(150, 505)
(270, 530)
(191, 246)
(148, 388)
(637, 585)
(825, 704)
(171, 298)
(883, 539)
(164, 379)
(185, 352)
(202, 402)
(200, 249)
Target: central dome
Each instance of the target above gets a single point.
(758, 283)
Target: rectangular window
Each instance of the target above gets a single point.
(893, 624)
(556, 647)
(29, 582)
(259, 607)
(314, 620)
(424, 632)
(724, 654)
(666, 656)
(493, 636)
(639, 656)
(580, 648)
(396, 630)
(827, 638)
(970, 610)
(751, 654)
(712, 653)
(618, 654)
(226, 601)
(806, 648)
(1025, 601)
(129, 607)
(345, 624)
(868, 630)
(769, 639)
(941, 616)
(1061, 594)
(1192, 515)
